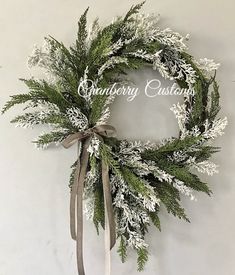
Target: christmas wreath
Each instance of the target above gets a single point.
(123, 183)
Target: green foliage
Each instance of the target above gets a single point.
(200, 100)
(136, 184)
(97, 108)
(196, 115)
(46, 139)
(99, 48)
(48, 92)
(82, 35)
(16, 99)
(142, 258)
(179, 144)
(56, 119)
(170, 147)
(180, 170)
(67, 63)
(204, 153)
(26, 117)
(122, 249)
(170, 197)
(99, 215)
(155, 219)
(133, 11)
(190, 180)
(72, 175)
(79, 53)
(108, 157)
(93, 163)
(215, 106)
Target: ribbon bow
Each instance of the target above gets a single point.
(77, 193)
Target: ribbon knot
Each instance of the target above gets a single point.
(100, 130)
(76, 197)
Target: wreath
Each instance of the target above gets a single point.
(123, 183)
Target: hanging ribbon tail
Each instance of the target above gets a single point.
(108, 204)
(73, 197)
(107, 270)
(81, 179)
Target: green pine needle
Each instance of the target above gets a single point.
(142, 258)
(133, 10)
(16, 99)
(155, 220)
(122, 249)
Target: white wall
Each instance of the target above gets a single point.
(34, 198)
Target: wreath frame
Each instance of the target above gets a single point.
(142, 175)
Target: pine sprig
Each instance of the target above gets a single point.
(122, 249)
(204, 153)
(155, 220)
(99, 215)
(133, 10)
(41, 90)
(82, 34)
(80, 50)
(170, 147)
(45, 140)
(15, 100)
(35, 118)
(190, 180)
(215, 105)
(72, 175)
(170, 197)
(142, 258)
(69, 60)
(97, 108)
(134, 182)
(108, 157)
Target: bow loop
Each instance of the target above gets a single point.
(103, 130)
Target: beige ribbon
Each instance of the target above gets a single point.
(77, 194)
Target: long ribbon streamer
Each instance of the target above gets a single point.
(110, 236)
(77, 195)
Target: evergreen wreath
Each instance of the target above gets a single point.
(143, 175)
